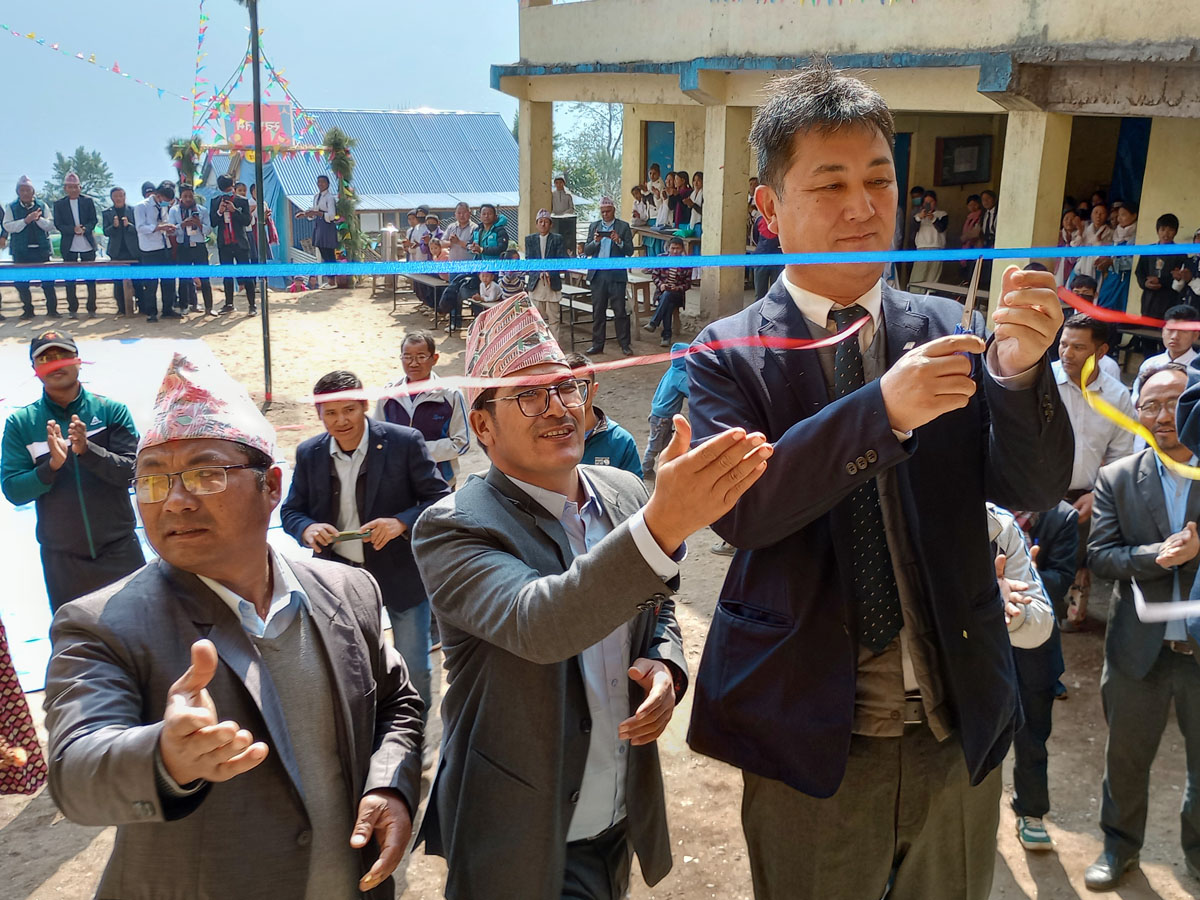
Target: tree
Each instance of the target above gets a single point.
(95, 178)
(595, 143)
(516, 125)
(338, 145)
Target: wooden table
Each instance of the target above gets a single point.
(653, 234)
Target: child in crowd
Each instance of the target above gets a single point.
(488, 294)
(668, 400)
(511, 283)
(672, 287)
(639, 213)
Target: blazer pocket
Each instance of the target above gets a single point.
(744, 612)
(504, 771)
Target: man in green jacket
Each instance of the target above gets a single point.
(72, 452)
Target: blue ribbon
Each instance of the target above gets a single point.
(24, 273)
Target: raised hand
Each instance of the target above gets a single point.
(696, 487)
(59, 446)
(193, 744)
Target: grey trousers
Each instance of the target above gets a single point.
(1136, 710)
(905, 815)
(598, 868)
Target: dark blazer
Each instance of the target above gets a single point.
(554, 250)
(1057, 537)
(1129, 524)
(592, 248)
(116, 654)
(398, 479)
(775, 690)
(65, 222)
(122, 241)
(516, 607)
(240, 221)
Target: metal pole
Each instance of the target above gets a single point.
(261, 229)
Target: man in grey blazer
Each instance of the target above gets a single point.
(1144, 529)
(236, 715)
(551, 582)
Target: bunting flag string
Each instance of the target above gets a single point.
(200, 54)
(115, 69)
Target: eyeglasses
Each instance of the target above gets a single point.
(199, 481)
(1153, 407)
(418, 360)
(572, 394)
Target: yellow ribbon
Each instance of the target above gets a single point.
(1114, 415)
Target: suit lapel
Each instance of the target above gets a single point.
(242, 657)
(1150, 487)
(344, 662)
(376, 448)
(536, 514)
(781, 318)
(904, 328)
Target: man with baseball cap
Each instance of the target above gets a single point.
(71, 453)
(237, 715)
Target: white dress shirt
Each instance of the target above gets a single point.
(325, 204)
(147, 215)
(604, 665)
(15, 225)
(189, 237)
(1097, 440)
(1175, 490)
(79, 243)
(287, 597)
(347, 466)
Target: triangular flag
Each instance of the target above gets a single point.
(79, 56)
(31, 36)
(54, 46)
(160, 92)
(116, 69)
(92, 59)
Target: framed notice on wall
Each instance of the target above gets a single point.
(964, 160)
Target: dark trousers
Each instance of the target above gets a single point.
(194, 255)
(461, 286)
(86, 256)
(668, 302)
(165, 285)
(70, 575)
(565, 227)
(229, 254)
(1031, 788)
(328, 254)
(607, 291)
(1136, 710)
(905, 812)
(598, 868)
(25, 292)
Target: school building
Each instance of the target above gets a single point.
(1031, 98)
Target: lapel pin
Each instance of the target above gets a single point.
(379, 446)
(910, 345)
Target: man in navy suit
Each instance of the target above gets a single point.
(858, 669)
(375, 479)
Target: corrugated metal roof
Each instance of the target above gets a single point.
(418, 154)
(405, 202)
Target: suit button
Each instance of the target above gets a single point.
(895, 713)
(861, 462)
(660, 598)
(304, 838)
(586, 726)
(575, 797)
(851, 468)
(143, 809)
(872, 456)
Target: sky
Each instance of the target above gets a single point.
(352, 54)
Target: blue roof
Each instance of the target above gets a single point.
(434, 158)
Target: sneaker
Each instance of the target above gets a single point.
(721, 548)
(253, 311)
(627, 351)
(151, 318)
(213, 313)
(26, 316)
(171, 315)
(649, 328)
(227, 308)
(593, 351)
(72, 315)
(1032, 833)
(664, 343)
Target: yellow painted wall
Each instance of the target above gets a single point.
(689, 142)
(621, 30)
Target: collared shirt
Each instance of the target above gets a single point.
(1097, 440)
(287, 598)
(1175, 490)
(79, 243)
(542, 238)
(562, 203)
(1153, 362)
(604, 665)
(187, 237)
(463, 233)
(147, 215)
(605, 228)
(347, 466)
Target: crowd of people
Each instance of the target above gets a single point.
(170, 226)
(879, 645)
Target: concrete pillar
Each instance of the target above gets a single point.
(1032, 182)
(726, 174)
(631, 160)
(536, 144)
(1169, 185)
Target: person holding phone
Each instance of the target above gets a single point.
(371, 479)
(122, 242)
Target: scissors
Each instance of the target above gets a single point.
(964, 327)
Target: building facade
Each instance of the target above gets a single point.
(1062, 97)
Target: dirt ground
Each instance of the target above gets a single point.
(43, 856)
